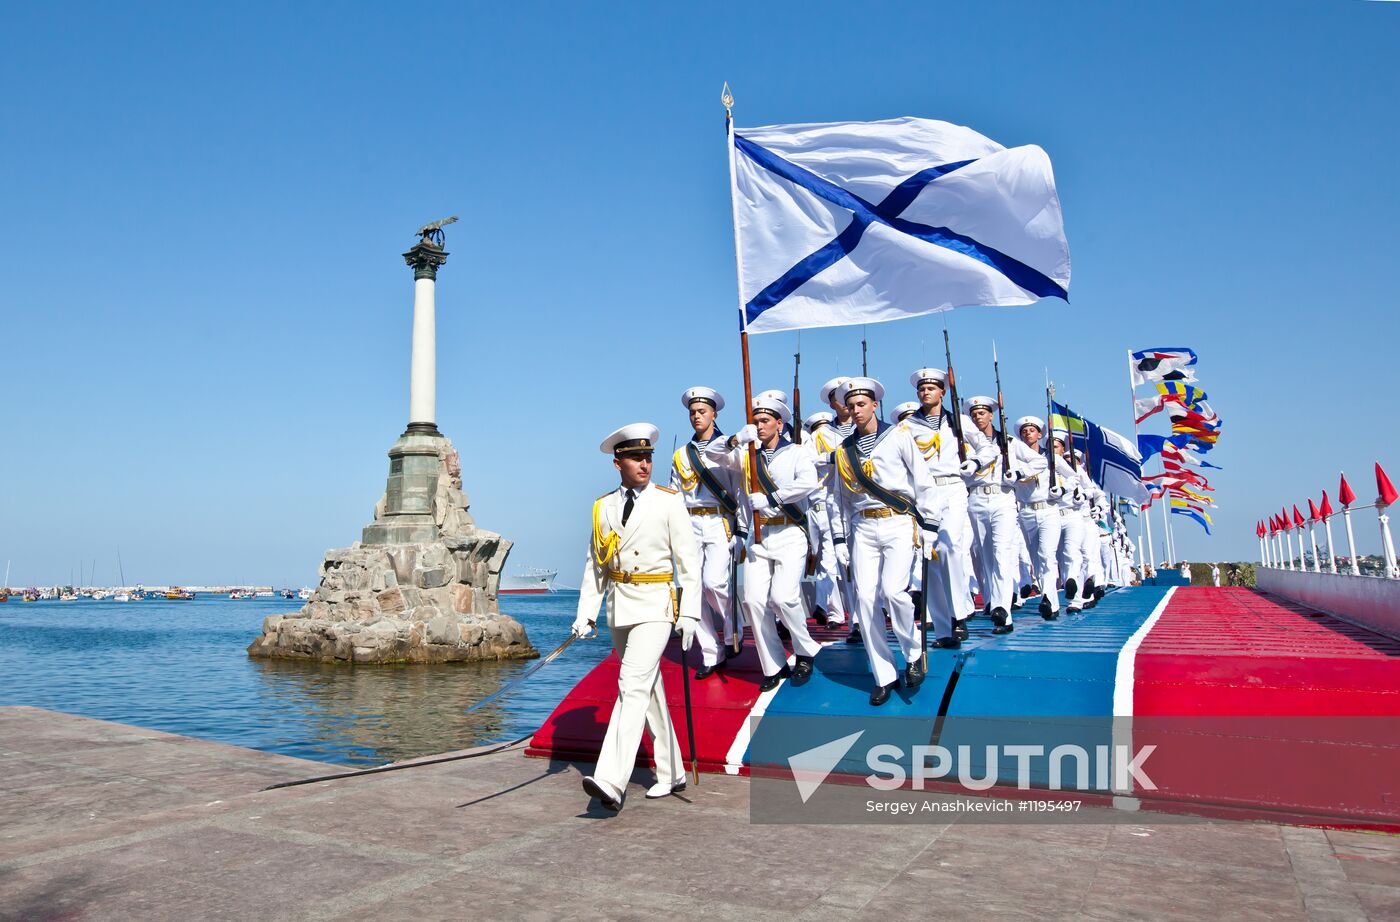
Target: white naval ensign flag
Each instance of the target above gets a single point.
(859, 222)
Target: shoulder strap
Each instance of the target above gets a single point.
(604, 546)
(727, 502)
(898, 503)
(770, 489)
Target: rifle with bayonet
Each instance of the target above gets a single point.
(953, 394)
(797, 392)
(1049, 432)
(1001, 414)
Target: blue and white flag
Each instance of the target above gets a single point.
(1113, 460)
(859, 222)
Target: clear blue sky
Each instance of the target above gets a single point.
(206, 317)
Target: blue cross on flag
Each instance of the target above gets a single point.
(859, 222)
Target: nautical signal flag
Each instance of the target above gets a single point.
(859, 222)
(1344, 494)
(1113, 460)
(1326, 509)
(1202, 517)
(1297, 516)
(1184, 394)
(1385, 490)
(1166, 364)
(1147, 406)
(1312, 511)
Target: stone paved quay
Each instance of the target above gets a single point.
(105, 821)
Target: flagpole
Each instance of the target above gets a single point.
(1331, 554)
(1312, 536)
(1132, 412)
(727, 98)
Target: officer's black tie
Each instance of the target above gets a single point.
(627, 507)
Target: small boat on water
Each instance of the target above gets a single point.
(304, 594)
(528, 582)
(288, 594)
(176, 594)
(121, 597)
(68, 597)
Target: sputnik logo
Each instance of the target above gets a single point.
(810, 767)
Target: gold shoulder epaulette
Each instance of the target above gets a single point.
(664, 489)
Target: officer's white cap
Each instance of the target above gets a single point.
(771, 404)
(631, 439)
(832, 386)
(780, 396)
(867, 386)
(1060, 434)
(907, 408)
(979, 401)
(707, 394)
(928, 374)
(1035, 421)
(819, 417)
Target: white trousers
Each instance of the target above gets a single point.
(1072, 563)
(641, 701)
(1093, 557)
(947, 596)
(882, 557)
(772, 581)
(712, 539)
(994, 528)
(1025, 567)
(1108, 560)
(828, 597)
(1041, 528)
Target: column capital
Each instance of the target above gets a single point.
(425, 259)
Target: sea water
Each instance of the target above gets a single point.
(182, 667)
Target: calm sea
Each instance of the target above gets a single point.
(181, 667)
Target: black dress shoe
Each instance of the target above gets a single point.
(1016, 605)
(960, 630)
(819, 616)
(599, 790)
(1098, 593)
(1071, 588)
(914, 674)
(771, 682)
(882, 694)
(1074, 610)
(802, 671)
(854, 635)
(1002, 622)
(730, 653)
(948, 643)
(1025, 592)
(1045, 611)
(1090, 592)
(704, 672)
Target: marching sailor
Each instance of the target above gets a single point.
(1095, 502)
(905, 410)
(786, 477)
(831, 396)
(948, 598)
(780, 397)
(888, 506)
(719, 519)
(1040, 518)
(642, 542)
(992, 508)
(1073, 567)
(822, 440)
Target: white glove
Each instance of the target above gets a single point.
(1008, 474)
(1078, 495)
(737, 543)
(583, 626)
(969, 467)
(1057, 491)
(686, 628)
(930, 539)
(759, 501)
(843, 554)
(746, 436)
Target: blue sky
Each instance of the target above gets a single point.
(206, 316)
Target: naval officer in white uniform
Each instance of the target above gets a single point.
(1040, 517)
(1073, 567)
(641, 545)
(821, 441)
(885, 492)
(714, 498)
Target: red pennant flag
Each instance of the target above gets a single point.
(1297, 516)
(1344, 493)
(1312, 510)
(1283, 520)
(1385, 488)
(1326, 509)
(1273, 525)
(1259, 530)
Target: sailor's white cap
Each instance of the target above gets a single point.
(1060, 434)
(707, 394)
(928, 374)
(818, 418)
(631, 439)
(775, 394)
(768, 403)
(980, 400)
(1035, 421)
(907, 408)
(832, 386)
(854, 386)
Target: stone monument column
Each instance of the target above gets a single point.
(421, 584)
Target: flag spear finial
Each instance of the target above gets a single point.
(726, 96)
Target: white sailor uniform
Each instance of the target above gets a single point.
(1040, 520)
(778, 559)
(821, 442)
(714, 530)
(632, 567)
(992, 509)
(947, 597)
(883, 544)
(1074, 571)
